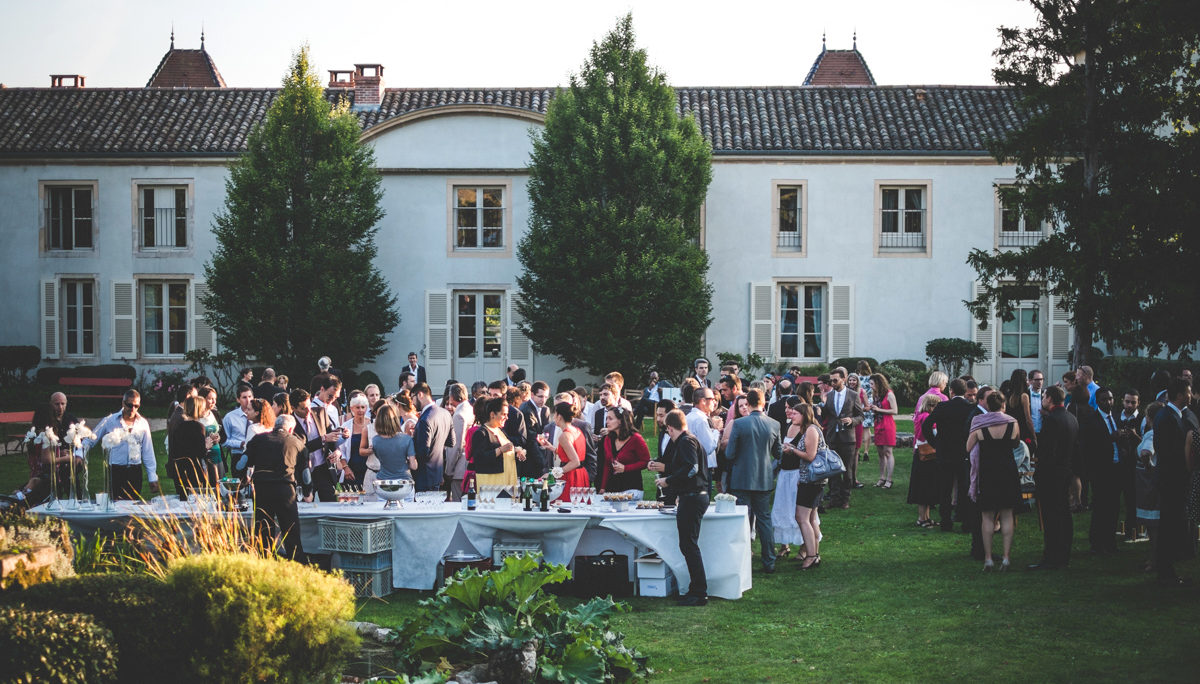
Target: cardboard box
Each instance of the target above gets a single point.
(651, 567)
(657, 586)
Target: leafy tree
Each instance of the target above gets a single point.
(613, 275)
(1106, 155)
(292, 277)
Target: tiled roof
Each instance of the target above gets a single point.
(186, 69)
(839, 67)
(92, 122)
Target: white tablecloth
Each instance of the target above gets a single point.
(422, 535)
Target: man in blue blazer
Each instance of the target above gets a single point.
(754, 444)
(433, 435)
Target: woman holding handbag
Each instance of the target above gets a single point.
(923, 480)
(808, 494)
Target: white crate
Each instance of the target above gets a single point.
(657, 586)
(367, 584)
(511, 547)
(355, 536)
(652, 567)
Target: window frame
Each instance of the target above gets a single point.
(926, 186)
(1022, 225)
(44, 231)
(823, 334)
(142, 184)
(777, 187)
(505, 184)
(163, 282)
(66, 281)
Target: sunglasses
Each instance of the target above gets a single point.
(132, 406)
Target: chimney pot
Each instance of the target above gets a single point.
(67, 80)
(368, 86)
(341, 78)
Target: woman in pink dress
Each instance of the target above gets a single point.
(885, 428)
(570, 448)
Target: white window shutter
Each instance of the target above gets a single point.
(124, 319)
(841, 321)
(203, 335)
(49, 311)
(985, 371)
(762, 320)
(438, 336)
(520, 351)
(1060, 334)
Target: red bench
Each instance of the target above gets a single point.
(121, 384)
(22, 418)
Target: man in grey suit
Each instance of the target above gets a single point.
(845, 410)
(754, 444)
(433, 435)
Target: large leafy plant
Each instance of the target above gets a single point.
(504, 618)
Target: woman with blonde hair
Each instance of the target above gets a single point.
(357, 449)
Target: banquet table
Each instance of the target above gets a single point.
(424, 534)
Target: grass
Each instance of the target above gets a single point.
(892, 602)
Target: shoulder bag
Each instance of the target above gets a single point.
(824, 465)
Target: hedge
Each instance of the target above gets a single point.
(51, 375)
(850, 363)
(48, 646)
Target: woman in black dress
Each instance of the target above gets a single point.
(187, 453)
(995, 483)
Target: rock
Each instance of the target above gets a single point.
(372, 631)
(476, 674)
(904, 439)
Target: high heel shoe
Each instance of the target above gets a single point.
(816, 562)
(1003, 565)
(988, 565)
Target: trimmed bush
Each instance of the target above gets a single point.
(850, 363)
(51, 375)
(16, 361)
(909, 365)
(48, 646)
(140, 611)
(271, 619)
(906, 384)
(954, 354)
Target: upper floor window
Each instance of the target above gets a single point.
(479, 214)
(902, 218)
(163, 217)
(790, 218)
(68, 218)
(1016, 229)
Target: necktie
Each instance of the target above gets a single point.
(1112, 430)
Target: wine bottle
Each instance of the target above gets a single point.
(527, 495)
(471, 496)
(544, 504)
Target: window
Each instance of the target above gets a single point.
(479, 327)
(68, 217)
(801, 321)
(164, 318)
(789, 217)
(479, 217)
(902, 218)
(79, 321)
(163, 217)
(1019, 337)
(1015, 228)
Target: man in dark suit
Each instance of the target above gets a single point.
(1130, 424)
(946, 429)
(1100, 435)
(433, 435)
(754, 445)
(275, 456)
(418, 371)
(313, 426)
(265, 390)
(845, 410)
(537, 416)
(778, 409)
(1176, 538)
(1052, 475)
(684, 473)
(515, 430)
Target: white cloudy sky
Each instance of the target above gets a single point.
(117, 43)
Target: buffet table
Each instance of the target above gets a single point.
(424, 534)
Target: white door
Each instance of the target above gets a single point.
(478, 332)
(1021, 339)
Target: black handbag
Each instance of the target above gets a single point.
(605, 574)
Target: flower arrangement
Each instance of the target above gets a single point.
(47, 440)
(113, 438)
(724, 497)
(77, 433)
(556, 472)
(29, 437)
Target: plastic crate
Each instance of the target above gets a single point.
(370, 584)
(513, 547)
(355, 536)
(369, 562)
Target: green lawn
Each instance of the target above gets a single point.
(892, 602)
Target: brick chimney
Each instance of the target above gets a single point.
(341, 78)
(66, 80)
(368, 86)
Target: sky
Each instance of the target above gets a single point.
(118, 43)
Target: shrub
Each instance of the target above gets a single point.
(16, 362)
(953, 354)
(51, 375)
(499, 617)
(141, 613)
(279, 620)
(1119, 373)
(906, 384)
(368, 378)
(48, 646)
(159, 387)
(850, 363)
(749, 367)
(909, 365)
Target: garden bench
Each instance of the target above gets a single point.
(120, 384)
(7, 420)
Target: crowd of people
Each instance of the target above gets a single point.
(981, 455)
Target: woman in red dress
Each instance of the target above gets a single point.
(885, 428)
(625, 453)
(570, 448)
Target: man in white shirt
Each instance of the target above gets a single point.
(704, 426)
(131, 455)
(237, 425)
